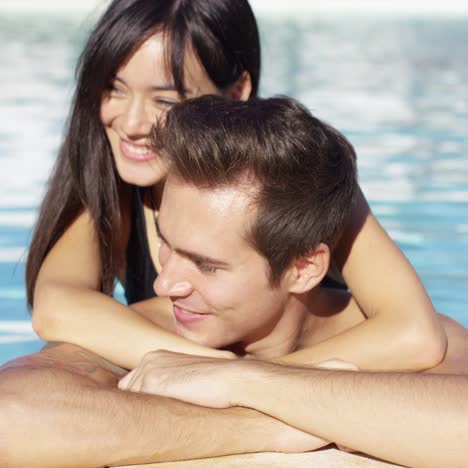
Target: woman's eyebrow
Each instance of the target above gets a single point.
(169, 87)
(162, 87)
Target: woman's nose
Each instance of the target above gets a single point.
(136, 121)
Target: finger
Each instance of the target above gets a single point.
(126, 382)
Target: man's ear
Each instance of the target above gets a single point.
(242, 88)
(305, 273)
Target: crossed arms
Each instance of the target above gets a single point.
(407, 418)
(61, 408)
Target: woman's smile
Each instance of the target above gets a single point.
(136, 152)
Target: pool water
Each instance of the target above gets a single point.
(398, 88)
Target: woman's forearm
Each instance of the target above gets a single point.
(386, 287)
(103, 325)
(374, 344)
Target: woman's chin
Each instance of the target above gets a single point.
(142, 177)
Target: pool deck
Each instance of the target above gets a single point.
(327, 458)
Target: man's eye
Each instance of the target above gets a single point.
(205, 267)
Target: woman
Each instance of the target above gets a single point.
(96, 221)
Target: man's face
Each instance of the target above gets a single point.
(218, 283)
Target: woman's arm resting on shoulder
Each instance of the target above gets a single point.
(402, 330)
(374, 344)
(69, 307)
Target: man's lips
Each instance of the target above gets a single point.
(185, 316)
(136, 152)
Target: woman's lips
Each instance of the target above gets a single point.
(186, 317)
(136, 152)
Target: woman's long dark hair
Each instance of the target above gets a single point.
(224, 36)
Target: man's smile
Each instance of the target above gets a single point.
(186, 317)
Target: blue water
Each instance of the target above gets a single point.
(398, 88)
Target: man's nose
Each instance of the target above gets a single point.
(171, 281)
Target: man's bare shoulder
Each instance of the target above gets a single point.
(332, 311)
(69, 358)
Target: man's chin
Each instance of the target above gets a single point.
(198, 337)
(192, 335)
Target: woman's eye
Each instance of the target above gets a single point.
(167, 103)
(115, 90)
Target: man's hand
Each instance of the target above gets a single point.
(201, 381)
(212, 383)
(194, 379)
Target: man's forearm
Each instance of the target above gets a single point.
(62, 414)
(63, 422)
(411, 419)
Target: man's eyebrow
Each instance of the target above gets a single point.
(194, 257)
(163, 87)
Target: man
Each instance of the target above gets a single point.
(232, 296)
(245, 236)
(257, 194)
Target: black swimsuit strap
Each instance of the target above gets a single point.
(140, 272)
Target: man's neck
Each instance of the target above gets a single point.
(285, 334)
(307, 320)
(331, 312)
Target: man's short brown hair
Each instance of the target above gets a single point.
(303, 171)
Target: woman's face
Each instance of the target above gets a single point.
(142, 91)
